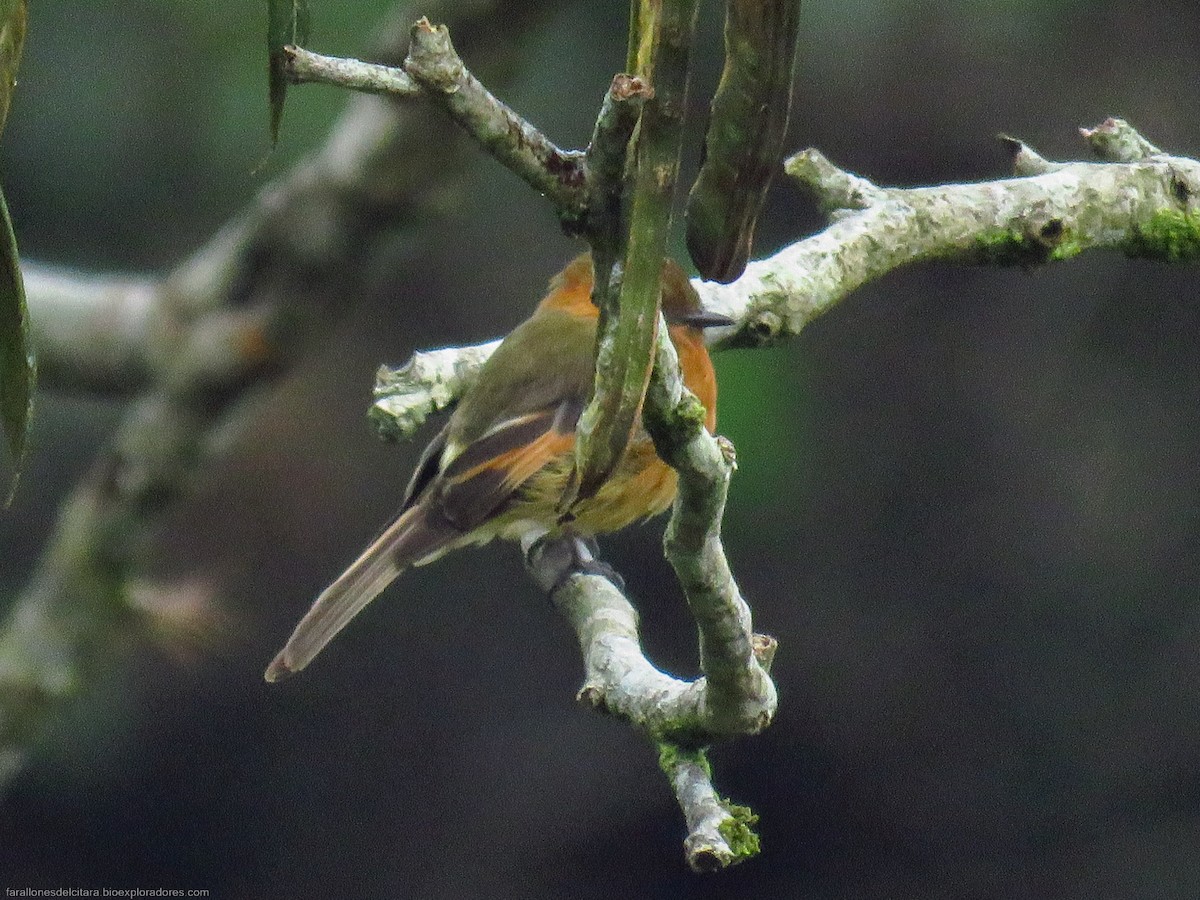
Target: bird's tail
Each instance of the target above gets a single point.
(413, 538)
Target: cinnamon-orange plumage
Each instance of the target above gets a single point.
(501, 465)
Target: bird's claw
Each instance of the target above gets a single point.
(554, 558)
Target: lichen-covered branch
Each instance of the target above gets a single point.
(741, 696)
(429, 382)
(618, 678)
(1148, 208)
(1115, 140)
(624, 209)
(720, 833)
(681, 716)
(736, 696)
(434, 69)
(1145, 207)
(305, 67)
(435, 65)
(606, 158)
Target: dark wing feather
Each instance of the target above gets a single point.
(427, 468)
(480, 481)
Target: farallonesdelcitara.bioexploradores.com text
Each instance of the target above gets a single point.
(105, 892)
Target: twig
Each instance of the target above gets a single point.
(429, 382)
(607, 154)
(435, 65)
(741, 696)
(720, 833)
(618, 679)
(305, 67)
(1115, 140)
(1026, 160)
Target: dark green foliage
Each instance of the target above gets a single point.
(18, 369)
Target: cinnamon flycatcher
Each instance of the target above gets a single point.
(502, 463)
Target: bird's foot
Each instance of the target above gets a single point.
(553, 558)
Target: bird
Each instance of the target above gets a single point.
(503, 462)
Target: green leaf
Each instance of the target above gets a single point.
(12, 40)
(287, 23)
(18, 370)
(746, 130)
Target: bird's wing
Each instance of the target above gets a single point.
(449, 504)
(482, 478)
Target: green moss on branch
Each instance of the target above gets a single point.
(739, 833)
(1170, 235)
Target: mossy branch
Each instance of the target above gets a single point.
(679, 716)
(1149, 208)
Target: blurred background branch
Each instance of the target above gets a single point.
(217, 327)
(92, 331)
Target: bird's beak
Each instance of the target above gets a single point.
(701, 318)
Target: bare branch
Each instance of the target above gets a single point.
(1026, 160)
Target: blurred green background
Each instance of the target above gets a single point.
(968, 505)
